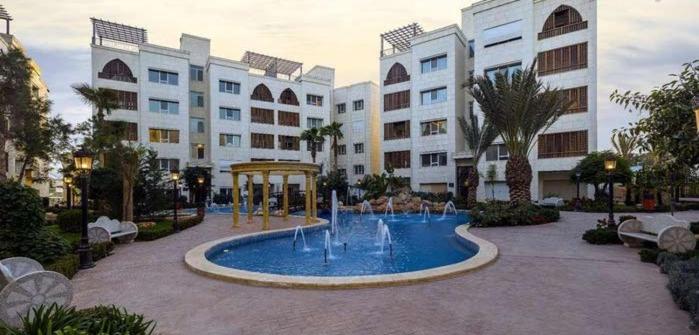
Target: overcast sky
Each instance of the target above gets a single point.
(640, 42)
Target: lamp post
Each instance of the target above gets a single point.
(175, 177)
(200, 205)
(695, 106)
(67, 181)
(610, 166)
(83, 164)
(578, 204)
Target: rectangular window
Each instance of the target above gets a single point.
(396, 130)
(358, 105)
(196, 125)
(358, 169)
(198, 151)
(314, 123)
(196, 99)
(196, 73)
(342, 172)
(319, 146)
(434, 127)
(501, 34)
(569, 144)
(397, 100)
(341, 108)
(496, 152)
(471, 48)
(164, 135)
(341, 149)
(163, 106)
(433, 96)
(505, 70)
(289, 119)
(162, 77)
(289, 143)
(433, 64)
(578, 98)
(130, 130)
(396, 159)
(569, 58)
(126, 100)
(359, 148)
(434, 159)
(226, 113)
(229, 140)
(230, 87)
(169, 164)
(261, 115)
(262, 141)
(314, 100)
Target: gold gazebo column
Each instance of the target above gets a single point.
(265, 200)
(286, 197)
(314, 196)
(307, 208)
(251, 191)
(236, 201)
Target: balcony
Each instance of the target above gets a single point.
(563, 30)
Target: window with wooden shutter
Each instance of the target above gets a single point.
(397, 74)
(563, 20)
(569, 58)
(397, 100)
(396, 130)
(578, 98)
(261, 115)
(262, 141)
(289, 143)
(568, 144)
(289, 119)
(125, 99)
(396, 159)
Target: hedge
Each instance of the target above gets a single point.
(496, 214)
(164, 228)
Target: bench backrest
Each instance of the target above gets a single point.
(106, 223)
(655, 224)
(5, 275)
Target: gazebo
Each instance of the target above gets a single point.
(265, 169)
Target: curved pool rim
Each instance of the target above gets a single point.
(196, 260)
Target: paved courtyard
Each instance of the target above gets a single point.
(546, 281)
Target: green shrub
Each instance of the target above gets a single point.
(694, 227)
(101, 250)
(70, 220)
(649, 255)
(494, 214)
(683, 279)
(164, 228)
(102, 320)
(602, 235)
(66, 265)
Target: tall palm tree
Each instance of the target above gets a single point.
(313, 138)
(101, 99)
(625, 143)
(519, 108)
(478, 138)
(334, 131)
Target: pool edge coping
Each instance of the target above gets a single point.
(195, 260)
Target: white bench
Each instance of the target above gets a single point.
(104, 230)
(664, 230)
(552, 202)
(25, 285)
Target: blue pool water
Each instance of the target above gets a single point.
(417, 245)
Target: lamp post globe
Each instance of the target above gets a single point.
(200, 188)
(82, 160)
(175, 177)
(610, 166)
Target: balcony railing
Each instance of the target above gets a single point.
(563, 30)
(109, 76)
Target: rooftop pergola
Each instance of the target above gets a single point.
(271, 65)
(399, 38)
(265, 169)
(103, 29)
(4, 15)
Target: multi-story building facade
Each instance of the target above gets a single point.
(423, 88)
(14, 160)
(357, 109)
(197, 109)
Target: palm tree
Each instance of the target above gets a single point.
(129, 158)
(313, 138)
(625, 143)
(478, 138)
(101, 99)
(333, 130)
(519, 108)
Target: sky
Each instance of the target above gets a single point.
(640, 42)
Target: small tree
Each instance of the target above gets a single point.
(149, 195)
(314, 138)
(334, 131)
(491, 177)
(15, 97)
(592, 171)
(478, 138)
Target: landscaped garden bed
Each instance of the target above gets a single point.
(149, 231)
(495, 214)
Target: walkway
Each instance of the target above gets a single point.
(546, 281)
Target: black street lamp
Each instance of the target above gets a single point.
(67, 181)
(578, 203)
(175, 177)
(200, 205)
(610, 166)
(83, 164)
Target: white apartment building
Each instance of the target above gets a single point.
(422, 83)
(357, 109)
(197, 109)
(14, 159)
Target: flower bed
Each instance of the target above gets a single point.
(497, 214)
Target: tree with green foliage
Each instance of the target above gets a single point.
(15, 97)
(332, 181)
(334, 131)
(625, 143)
(592, 171)
(520, 108)
(377, 185)
(314, 138)
(190, 176)
(491, 176)
(149, 194)
(478, 138)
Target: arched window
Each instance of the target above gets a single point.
(117, 70)
(262, 93)
(563, 20)
(397, 74)
(288, 98)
